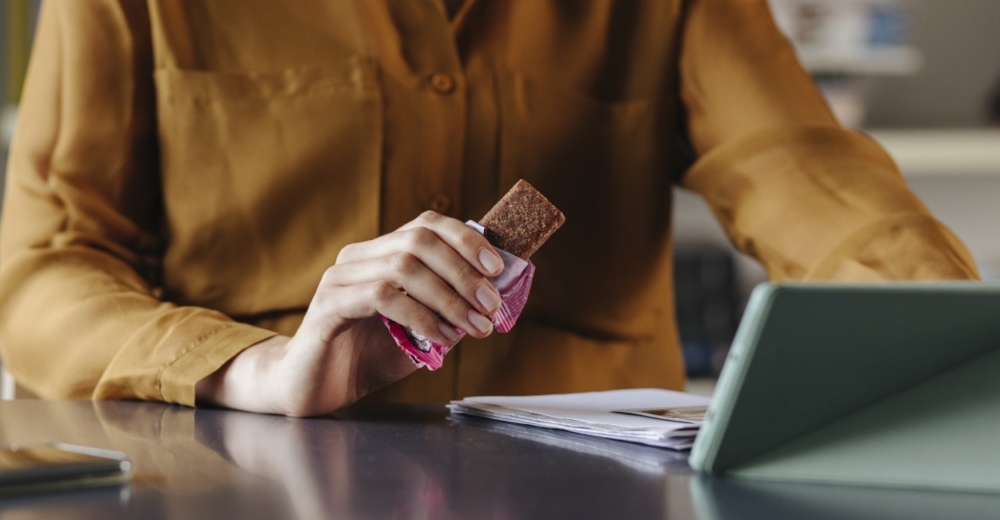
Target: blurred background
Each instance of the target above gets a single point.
(921, 76)
(17, 22)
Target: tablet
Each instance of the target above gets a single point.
(829, 382)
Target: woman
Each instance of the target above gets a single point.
(213, 201)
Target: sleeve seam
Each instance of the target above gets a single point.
(194, 345)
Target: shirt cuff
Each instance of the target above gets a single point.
(910, 246)
(178, 380)
(165, 359)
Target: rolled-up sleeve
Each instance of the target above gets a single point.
(809, 199)
(81, 235)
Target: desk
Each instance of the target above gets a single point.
(407, 461)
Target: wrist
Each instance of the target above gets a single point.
(245, 382)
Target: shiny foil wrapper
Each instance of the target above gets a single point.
(513, 284)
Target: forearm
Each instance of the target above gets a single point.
(825, 203)
(76, 322)
(58, 331)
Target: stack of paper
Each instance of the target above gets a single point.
(636, 456)
(608, 414)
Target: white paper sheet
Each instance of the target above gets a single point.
(593, 413)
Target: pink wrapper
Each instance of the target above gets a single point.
(514, 284)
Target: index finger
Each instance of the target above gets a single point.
(467, 242)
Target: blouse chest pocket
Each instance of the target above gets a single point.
(608, 165)
(266, 176)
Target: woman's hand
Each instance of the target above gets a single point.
(428, 274)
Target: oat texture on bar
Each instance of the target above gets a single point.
(522, 221)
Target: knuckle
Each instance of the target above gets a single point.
(383, 291)
(329, 275)
(470, 239)
(345, 252)
(404, 263)
(426, 319)
(469, 276)
(429, 216)
(455, 306)
(419, 237)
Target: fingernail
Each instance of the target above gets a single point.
(448, 332)
(487, 297)
(480, 322)
(491, 262)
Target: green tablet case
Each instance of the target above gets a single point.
(740, 499)
(894, 384)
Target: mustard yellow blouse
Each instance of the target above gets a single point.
(184, 171)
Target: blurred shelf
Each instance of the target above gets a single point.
(872, 61)
(943, 152)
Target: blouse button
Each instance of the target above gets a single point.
(442, 83)
(440, 203)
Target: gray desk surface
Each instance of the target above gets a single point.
(407, 461)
